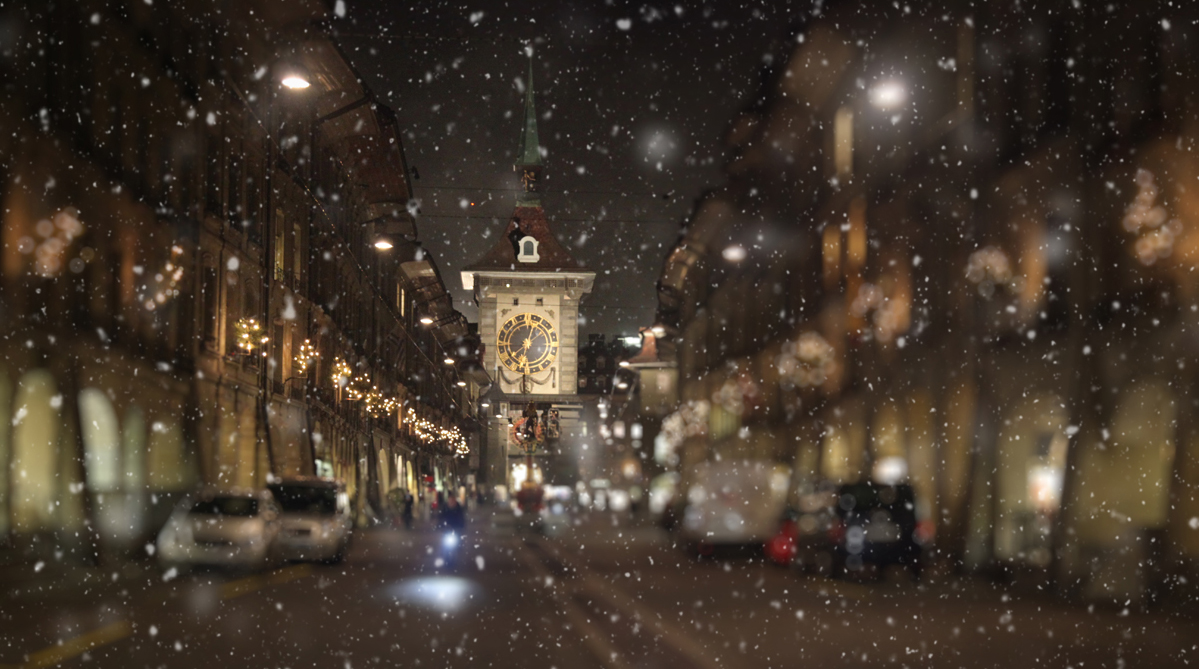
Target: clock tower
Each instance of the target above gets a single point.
(528, 288)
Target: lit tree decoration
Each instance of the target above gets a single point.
(806, 362)
(988, 268)
(690, 420)
(1150, 222)
(888, 315)
(164, 285)
(54, 237)
(341, 372)
(306, 356)
(249, 336)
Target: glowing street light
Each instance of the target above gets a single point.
(383, 244)
(426, 320)
(887, 95)
(734, 253)
(295, 82)
(449, 360)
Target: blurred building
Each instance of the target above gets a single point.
(599, 360)
(957, 247)
(209, 271)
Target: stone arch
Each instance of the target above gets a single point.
(36, 421)
(101, 441)
(168, 467)
(101, 434)
(5, 449)
(1030, 464)
(1125, 479)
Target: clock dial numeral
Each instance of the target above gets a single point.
(527, 344)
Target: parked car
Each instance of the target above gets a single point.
(233, 528)
(733, 503)
(316, 519)
(858, 528)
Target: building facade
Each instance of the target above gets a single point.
(955, 247)
(192, 281)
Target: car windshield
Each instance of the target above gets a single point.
(306, 499)
(225, 506)
(858, 498)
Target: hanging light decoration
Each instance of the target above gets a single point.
(306, 356)
(250, 336)
(54, 238)
(989, 268)
(164, 285)
(807, 361)
(1156, 231)
(341, 372)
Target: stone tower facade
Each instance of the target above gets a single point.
(528, 288)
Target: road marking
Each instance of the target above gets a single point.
(591, 635)
(674, 636)
(827, 587)
(668, 633)
(245, 586)
(79, 645)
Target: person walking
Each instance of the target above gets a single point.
(453, 514)
(406, 513)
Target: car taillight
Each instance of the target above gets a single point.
(836, 531)
(925, 530)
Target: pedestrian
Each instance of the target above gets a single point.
(453, 514)
(407, 511)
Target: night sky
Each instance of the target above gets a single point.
(633, 104)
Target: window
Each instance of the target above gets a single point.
(541, 301)
(528, 250)
(296, 257)
(843, 142)
(280, 240)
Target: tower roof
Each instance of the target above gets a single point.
(528, 219)
(529, 152)
(531, 222)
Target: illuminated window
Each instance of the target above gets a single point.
(832, 256)
(280, 240)
(843, 142)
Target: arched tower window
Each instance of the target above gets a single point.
(528, 250)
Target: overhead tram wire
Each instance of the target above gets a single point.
(658, 196)
(557, 219)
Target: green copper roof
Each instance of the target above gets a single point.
(529, 152)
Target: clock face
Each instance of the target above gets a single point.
(528, 344)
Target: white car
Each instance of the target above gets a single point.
(233, 528)
(316, 519)
(734, 502)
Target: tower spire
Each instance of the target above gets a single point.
(528, 156)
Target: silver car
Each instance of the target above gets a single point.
(226, 528)
(316, 519)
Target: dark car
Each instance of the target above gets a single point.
(859, 528)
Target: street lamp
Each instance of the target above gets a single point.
(887, 94)
(383, 244)
(734, 253)
(293, 76)
(449, 360)
(426, 320)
